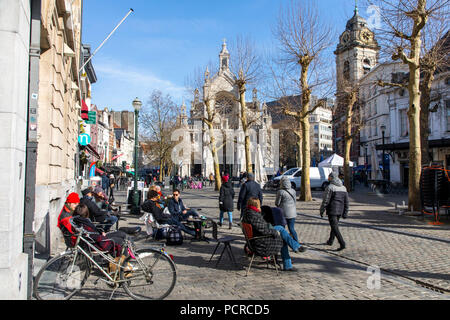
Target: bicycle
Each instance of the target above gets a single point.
(146, 273)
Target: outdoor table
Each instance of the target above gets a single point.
(199, 225)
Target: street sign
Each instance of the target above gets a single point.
(84, 139)
(92, 117)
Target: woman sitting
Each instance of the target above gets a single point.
(111, 242)
(280, 240)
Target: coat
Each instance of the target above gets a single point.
(95, 213)
(226, 197)
(286, 199)
(335, 199)
(266, 246)
(248, 190)
(158, 213)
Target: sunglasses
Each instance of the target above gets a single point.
(175, 194)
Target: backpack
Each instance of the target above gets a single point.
(174, 238)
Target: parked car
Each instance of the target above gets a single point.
(318, 177)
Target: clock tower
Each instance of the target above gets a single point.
(357, 51)
(356, 55)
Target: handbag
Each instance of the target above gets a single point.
(175, 237)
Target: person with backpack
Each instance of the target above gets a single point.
(335, 203)
(286, 200)
(226, 197)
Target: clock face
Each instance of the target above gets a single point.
(345, 37)
(365, 35)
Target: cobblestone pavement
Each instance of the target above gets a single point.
(405, 248)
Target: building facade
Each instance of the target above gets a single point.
(222, 91)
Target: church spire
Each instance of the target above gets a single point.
(224, 57)
(356, 6)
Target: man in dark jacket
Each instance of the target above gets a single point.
(177, 208)
(95, 213)
(335, 203)
(153, 206)
(250, 189)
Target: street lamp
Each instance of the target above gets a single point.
(383, 129)
(135, 209)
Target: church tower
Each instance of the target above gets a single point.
(357, 51)
(356, 55)
(224, 57)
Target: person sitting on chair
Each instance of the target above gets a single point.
(281, 239)
(95, 213)
(177, 208)
(152, 206)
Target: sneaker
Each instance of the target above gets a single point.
(293, 269)
(302, 249)
(340, 248)
(219, 224)
(230, 226)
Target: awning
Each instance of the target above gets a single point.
(84, 110)
(91, 150)
(438, 143)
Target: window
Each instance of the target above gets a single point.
(404, 126)
(447, 104)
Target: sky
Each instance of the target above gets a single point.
(163, 41)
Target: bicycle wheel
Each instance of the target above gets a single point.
(61, 277)
(153, 275)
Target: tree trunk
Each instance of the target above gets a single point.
(161, 170)
(209, 122)
(244, 120)
(299, 150)
(415, 155)
(348, 136)
(305, 191)
(425, 89)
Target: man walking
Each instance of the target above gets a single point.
(335, 202)
(248, 190)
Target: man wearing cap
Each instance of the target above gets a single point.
(335, 203)
(65, 216)
(248, 190)
(95, 213)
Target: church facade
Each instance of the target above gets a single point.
(221, 90)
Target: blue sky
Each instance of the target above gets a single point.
(163, 42)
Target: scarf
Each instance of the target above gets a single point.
(254, 208)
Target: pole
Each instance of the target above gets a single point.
(29, 235)
(104, 41)
(384, 169)
(136, 209)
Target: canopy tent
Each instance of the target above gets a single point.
(334, 161)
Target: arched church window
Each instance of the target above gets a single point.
(346, 71)
(224, 105)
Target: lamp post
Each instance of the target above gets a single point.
(383, 129)
(137, 106)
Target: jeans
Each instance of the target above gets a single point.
(291, 227)
(288, 241)
(109, 222)
(230, 216)
(176, 222)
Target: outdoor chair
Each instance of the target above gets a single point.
(247, 229)
(226, 242)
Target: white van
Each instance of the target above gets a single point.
(318, 177)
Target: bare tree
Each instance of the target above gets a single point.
(405, 22)
(157, 120)
(247, 68)
(304, 38)
(207, 113)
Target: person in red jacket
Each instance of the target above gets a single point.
(65, 215)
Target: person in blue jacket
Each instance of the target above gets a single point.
(177, 208)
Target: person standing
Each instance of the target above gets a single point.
(112, 182)
(226, 197)
(335, 203)
(248, 190)
(286, 200)
(105, 183)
